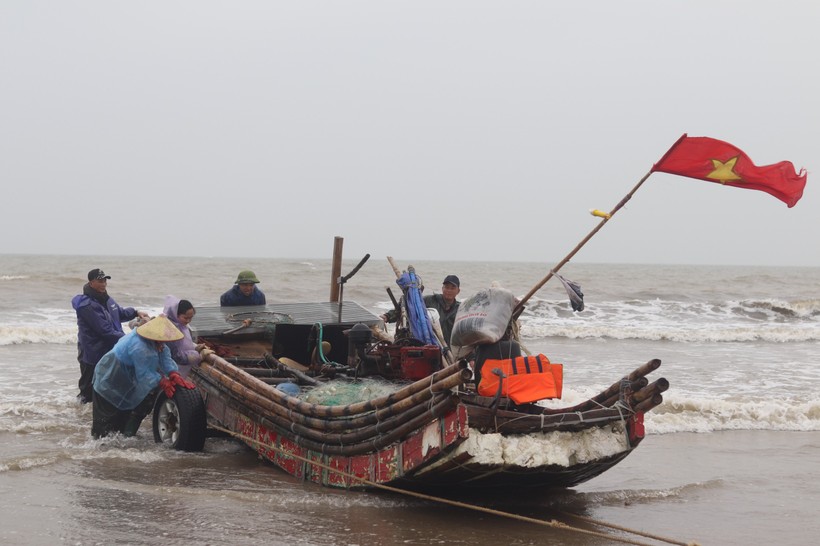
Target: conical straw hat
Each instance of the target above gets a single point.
(159, 329)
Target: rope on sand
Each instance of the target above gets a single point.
(552, 523)
(628, 530)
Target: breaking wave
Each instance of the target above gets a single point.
(680, 413)
(14, 335)
(664, 320)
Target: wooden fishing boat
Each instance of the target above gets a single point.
(431, 430)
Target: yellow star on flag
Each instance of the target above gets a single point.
(724, 171)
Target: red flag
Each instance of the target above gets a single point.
(717, 161)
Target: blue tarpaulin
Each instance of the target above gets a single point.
(417, 317)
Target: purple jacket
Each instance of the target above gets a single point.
(99, 325)
(183, 351)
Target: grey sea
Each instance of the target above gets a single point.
(732, 456)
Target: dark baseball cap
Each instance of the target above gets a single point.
(452, 279)
(97, 275)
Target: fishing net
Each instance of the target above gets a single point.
(341, 393)
(261, 319)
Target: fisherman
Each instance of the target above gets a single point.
(99, 321)
(445, 304)
(127, 376)
(244, 291)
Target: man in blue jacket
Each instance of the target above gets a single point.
(244, 292)
(99, 320)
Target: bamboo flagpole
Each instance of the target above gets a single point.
(709, 159)
(605, 217)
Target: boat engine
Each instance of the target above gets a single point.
(406, 358)
(358, 339)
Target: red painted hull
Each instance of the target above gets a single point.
(390, 464)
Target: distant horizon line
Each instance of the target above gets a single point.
(330, 258)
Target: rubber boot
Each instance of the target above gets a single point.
(132, 425)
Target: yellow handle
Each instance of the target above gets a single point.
(600, 213)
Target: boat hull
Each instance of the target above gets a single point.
(387, 465)
(444, 452)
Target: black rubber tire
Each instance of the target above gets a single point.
(180, 421)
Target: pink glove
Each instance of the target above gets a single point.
(178, 380)
(167, 385)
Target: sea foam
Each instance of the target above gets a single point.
(694, 414)
(15, 335)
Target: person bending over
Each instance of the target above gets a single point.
(126, 378)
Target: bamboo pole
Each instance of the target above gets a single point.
(520, 305)
(656, 387)
(445, 406)
(275, 380)
(441, 407)
(601, 398)
(396, 270)
(301, 376)
(336, 268)
(636, 396)
(412, 405)
(649, 403)
(531, 415)
(435, 383)
(348, 432)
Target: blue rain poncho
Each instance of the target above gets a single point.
(126, 374)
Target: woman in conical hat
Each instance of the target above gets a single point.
(127, 376)
(159, 329)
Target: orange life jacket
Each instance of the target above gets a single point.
(528, 378)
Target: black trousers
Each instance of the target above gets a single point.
(108, 419)
(86, 381)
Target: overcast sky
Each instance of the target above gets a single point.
(423, 130)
